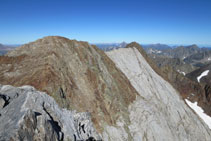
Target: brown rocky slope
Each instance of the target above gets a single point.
(79, 77)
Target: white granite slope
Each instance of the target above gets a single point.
(158, 112)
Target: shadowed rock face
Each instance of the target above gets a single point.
(33, 115)
(79, 76)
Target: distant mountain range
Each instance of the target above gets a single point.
(5, 48)
(110, 46)
(187, 68)
(192, 54)
(156, 47)
(174, 52)
(199, 59)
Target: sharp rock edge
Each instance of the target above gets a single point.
(158, 112)
(28, 114)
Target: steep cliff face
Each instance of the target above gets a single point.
(158, 112)
(28, 114)
(79, 77)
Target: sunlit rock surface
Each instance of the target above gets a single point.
(28, 114)
(158, 112)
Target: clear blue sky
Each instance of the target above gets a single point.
(104, 21)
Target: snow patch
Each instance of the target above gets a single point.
(181, 72)
(159, 51)
(202, 75)
(183, 57)
(200, 112)
(154, 51)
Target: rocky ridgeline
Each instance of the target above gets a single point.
(79, 76)
(122, 90)
(27, 114)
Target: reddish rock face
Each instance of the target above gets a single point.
(79, 76)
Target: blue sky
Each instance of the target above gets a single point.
(98, 21)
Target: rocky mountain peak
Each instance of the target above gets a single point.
(79, 76)
(194, 46)
(122, 44)
(47, 45)
(133, 44)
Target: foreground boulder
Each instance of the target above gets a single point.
(28, 114)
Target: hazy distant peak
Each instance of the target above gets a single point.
(122, 44)
(194, 46)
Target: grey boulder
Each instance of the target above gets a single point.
(27, 114)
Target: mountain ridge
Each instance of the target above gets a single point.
(70, 71)
(126, 101)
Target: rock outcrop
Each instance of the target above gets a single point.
(28, 114)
